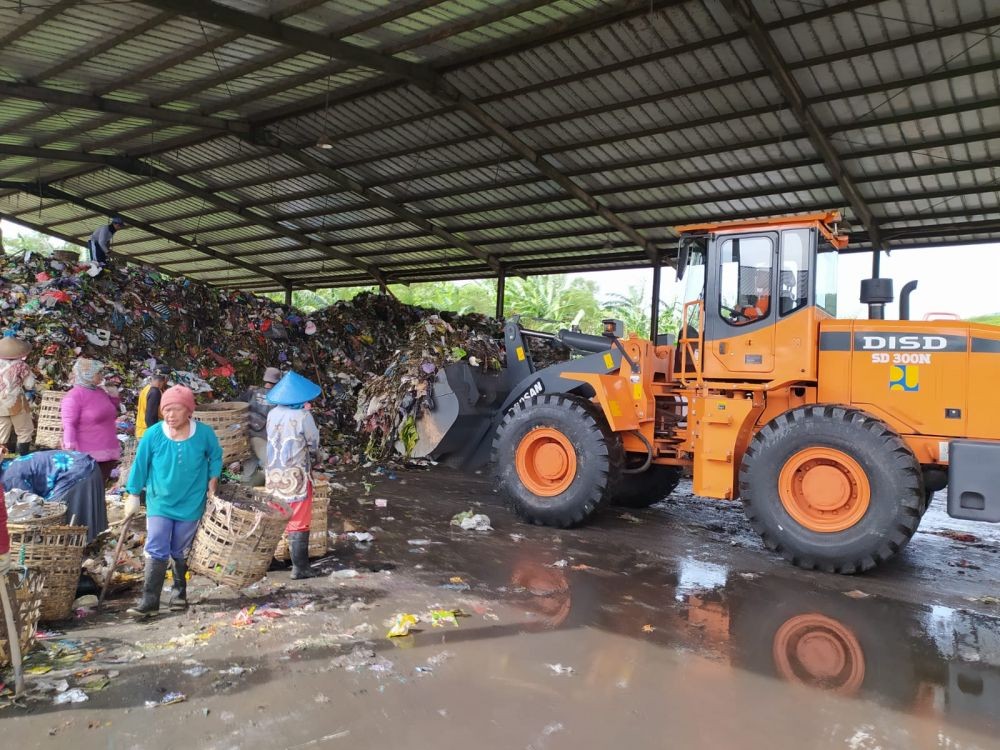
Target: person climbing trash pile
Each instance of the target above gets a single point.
(99, 245)
(292, 441)
(178, 463)
(16, 382)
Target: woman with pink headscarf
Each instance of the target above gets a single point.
(89, 415)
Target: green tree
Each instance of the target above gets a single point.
(549, 303)
(633, 308)
(36, 243)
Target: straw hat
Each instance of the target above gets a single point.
(12, 348)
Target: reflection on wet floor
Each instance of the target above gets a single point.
(670, 627)
(928, 661)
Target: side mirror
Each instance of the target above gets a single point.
(683, 250)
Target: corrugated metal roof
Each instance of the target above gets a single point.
(491, 145)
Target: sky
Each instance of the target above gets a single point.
(960, 280)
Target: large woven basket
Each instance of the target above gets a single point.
(28, 595)
(231, 422)
(318, 540)
(238, 535)
(49, 432)
(55, 514)
(56, 554)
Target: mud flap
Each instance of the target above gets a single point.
(974, 480)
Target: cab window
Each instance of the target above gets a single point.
(747, 268)
(793, 279)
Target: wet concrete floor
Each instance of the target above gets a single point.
(670, 627)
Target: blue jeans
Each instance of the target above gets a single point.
(166, 538)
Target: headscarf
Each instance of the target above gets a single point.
(84, 371)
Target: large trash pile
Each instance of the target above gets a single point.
(390, 405)
(216, 341)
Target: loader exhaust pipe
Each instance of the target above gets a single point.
(904, 299)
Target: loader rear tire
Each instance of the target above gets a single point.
(555, 459)
(647, 488)
(831, 488)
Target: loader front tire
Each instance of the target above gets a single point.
(831, 488)
(555, 459)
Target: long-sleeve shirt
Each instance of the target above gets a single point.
(48, 474)
(102, 237)
(88, 417)
(260, 407)
(15, 378)
(175, 473)
(291, 436)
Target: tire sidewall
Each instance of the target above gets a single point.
(581, 425)
(852, 436)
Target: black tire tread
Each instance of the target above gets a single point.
(912, 492)
(606, 451)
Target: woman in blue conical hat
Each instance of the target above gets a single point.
(292, 437)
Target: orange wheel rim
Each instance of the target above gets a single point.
(546, 461)
(824, 489)
(817, 651)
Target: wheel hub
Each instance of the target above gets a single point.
(546, 461)
(824, 489)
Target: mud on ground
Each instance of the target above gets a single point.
(666, 627)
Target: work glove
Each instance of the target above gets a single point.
(4, 564)
(131, 505)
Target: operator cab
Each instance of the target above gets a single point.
(756, 291)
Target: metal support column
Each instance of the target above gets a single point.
(876, 261)
(654, 320)
(501, 291)
(288, 296)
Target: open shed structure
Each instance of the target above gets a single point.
(282, 144)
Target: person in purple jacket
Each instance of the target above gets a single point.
(89, 413)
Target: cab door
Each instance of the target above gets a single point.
(741, 306)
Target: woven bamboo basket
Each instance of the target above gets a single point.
(56, 554)
(49, 432)
(231, 422)
(318, 541)
(28, 595)
(67, 256)
(238, 535)
(55, 514)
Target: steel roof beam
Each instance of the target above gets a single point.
(402, 212)
(422, 76)
(144, 169)
(47, 191)
(743, 13)
(101, 104)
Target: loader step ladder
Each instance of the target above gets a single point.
(691, 347)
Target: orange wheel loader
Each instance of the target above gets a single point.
(834, 433)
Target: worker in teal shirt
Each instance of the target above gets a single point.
(178, 462)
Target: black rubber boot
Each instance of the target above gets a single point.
(23, 449)
(298, 550)
(149, 605)
(178, 594)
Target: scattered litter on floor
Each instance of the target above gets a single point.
(167, 700)
(471, 521)
(561, 669)
(401, 624)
